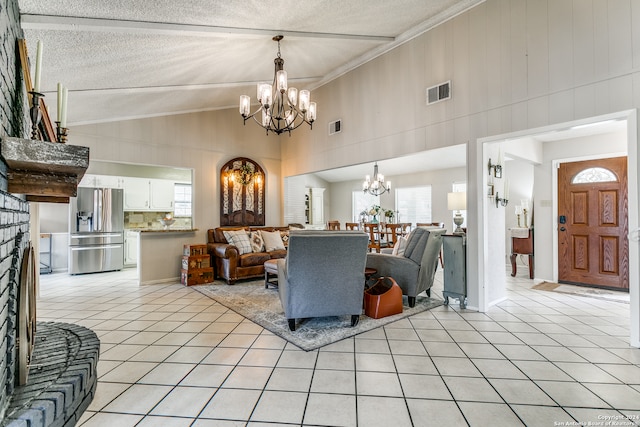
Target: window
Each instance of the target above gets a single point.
(459, 187)
(413, 204)
(361, 201)
(182, 197)
(594, 175)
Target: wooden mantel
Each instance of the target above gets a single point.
(42, 170)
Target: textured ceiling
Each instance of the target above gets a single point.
(129, 59)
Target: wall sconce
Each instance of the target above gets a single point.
(504, 201)
(501, 201)
(496, 168)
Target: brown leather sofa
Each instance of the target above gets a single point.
(231, 266)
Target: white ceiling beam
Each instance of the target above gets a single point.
(173, 88)
(65, 23)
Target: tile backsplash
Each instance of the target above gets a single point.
(150, 221)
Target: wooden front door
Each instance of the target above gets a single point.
(593, 248)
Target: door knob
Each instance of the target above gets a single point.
(562, 229)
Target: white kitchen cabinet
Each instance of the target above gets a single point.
(145, 194)
(162, 194)
(136, 194)
(131, 248)
(101, 181)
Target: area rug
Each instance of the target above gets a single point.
(262, 306)
(584, 291)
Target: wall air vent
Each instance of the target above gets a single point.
(335, 127)
(439, 92)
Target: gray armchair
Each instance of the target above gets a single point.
(323, 275)
(415, 270)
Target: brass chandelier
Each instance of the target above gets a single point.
(283, 109)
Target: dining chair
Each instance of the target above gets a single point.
(333, 225)
(352, 225)
(392, 231)
(373, 230)
(405, 228)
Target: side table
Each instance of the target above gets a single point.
(271, 273)
(454, 247)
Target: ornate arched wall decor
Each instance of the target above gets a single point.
(241, 193)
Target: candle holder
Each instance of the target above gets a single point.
(518, 216)
(34, 113)
(500, 201)
(524, 212)
(61, 133)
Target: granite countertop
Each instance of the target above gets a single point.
(169, 230)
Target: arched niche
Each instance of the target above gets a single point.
(242, 193)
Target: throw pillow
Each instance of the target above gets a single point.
(272, 240)
(239, 239)
(398, 248)
(257, 244)
(284, 235)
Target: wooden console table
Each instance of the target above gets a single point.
(522, 246)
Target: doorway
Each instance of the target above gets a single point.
(593, 248)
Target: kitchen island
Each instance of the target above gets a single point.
(160, 252)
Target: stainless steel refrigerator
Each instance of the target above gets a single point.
(96, 240)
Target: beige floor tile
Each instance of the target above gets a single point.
(189, 355)
(167, 373)
(571, 394)
(225, 356)
(248, 377)
(587, 373)
(619, 396)
(326, 381)
(110, 420)
(207, 376)
(539, 370)
(290, 379)
(375, 362)
(443, 349)
(455, 367)
(159, 421)
(280, 407)
(429, 413)
(176, 338)
(480, 414)
(521, 392)
(330, 410)
(395, 411)
(372, 346)
(184, 402)
(232, 404)
(424, 387)
(298, 359)
(238, 340)
(492, 368)
(128, 372)
(207, 340)
(156, 353)
(138, 399)
(378, 384)
(335, 360)
(472, 389)
(260, 357)
(414, 365)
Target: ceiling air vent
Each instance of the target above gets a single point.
(335, 127)
(439, 92)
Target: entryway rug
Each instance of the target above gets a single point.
(584, 291)
(262, 306)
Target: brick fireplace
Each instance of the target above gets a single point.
(62, 375)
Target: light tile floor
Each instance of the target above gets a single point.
(173, 357)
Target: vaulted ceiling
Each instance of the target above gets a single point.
(125, 59)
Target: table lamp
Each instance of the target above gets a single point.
(457, 202)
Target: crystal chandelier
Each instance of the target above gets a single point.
(278, 104)
(377, 186)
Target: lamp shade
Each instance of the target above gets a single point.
(457, 201)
